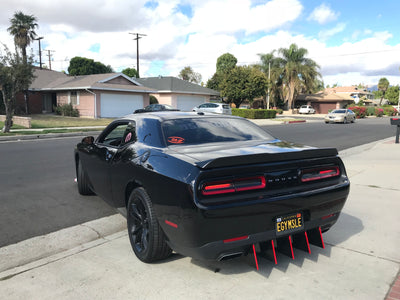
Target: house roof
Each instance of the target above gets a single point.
(346, 89)
(46, 80)
(43, 77)
(171, 84)
(325, 97)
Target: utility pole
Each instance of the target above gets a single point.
(40, 52)
(138, 36)
(49, 55)
(269, 81)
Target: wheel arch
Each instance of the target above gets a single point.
(129, 189)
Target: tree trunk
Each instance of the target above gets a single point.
(26, 98)
(9, 114)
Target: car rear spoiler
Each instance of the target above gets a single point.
(266, 158)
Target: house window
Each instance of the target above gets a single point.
(74, 98)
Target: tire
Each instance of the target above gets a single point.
(83, 181)
(345, 121)
(145, 235)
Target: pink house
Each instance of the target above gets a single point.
(99, 95)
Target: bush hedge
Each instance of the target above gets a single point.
(360, 111)
(66, 110)
(254, 113)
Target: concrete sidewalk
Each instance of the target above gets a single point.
(95, 260)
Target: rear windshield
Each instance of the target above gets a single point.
(211, 130)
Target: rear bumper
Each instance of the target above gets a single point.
(216, 235)
(220, 250)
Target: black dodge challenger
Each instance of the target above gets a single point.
(211, 186)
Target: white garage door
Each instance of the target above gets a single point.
(186, 103)
(114, 105)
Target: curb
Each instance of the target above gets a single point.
(20, 255)
(46, 136)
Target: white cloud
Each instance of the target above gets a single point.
(323, 14)
(174, 40)
(326, 34)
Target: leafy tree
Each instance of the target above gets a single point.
(377, 94)
(383, 85)
(225, 63)
(392, 94)
(243, 83)
(15, 76)
(131, 72)
(214, 81)
(23, 29)
(188, 74)
(86, 66)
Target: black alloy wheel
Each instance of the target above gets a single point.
(145, 235)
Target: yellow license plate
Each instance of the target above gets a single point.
(289, 223)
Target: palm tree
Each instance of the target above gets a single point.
(297, 72)
(383, 85)
(23, 29)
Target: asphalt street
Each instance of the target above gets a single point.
(39, 196)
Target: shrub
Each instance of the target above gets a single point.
(389, 111)
(66, 110)
(254, 113)
(378, 112)
(370, 111)
(360, 112)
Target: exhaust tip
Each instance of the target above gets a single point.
(230, 256)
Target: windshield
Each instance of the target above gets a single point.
(211, 130)
(339, 111)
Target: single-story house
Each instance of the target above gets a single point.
(99, 95)
(178, 93)
(108, 95)
(322, 101)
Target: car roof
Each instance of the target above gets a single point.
(172, 115)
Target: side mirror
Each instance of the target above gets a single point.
(89, 140)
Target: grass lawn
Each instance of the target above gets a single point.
(54, 121)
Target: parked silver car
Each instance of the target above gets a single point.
(340, 116)
(218, 108)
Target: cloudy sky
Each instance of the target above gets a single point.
(352, 41)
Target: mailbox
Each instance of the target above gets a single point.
(396, 121)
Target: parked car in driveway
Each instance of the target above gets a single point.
(340, 116)
(218, 108)
(156, 107)
(306, 109)
(211, 186)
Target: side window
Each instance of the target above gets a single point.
(115, 136)
(129, 134)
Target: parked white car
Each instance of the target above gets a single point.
(306, 109)
(218, 108)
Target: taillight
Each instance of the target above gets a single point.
(319, 173)
(232, 186)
